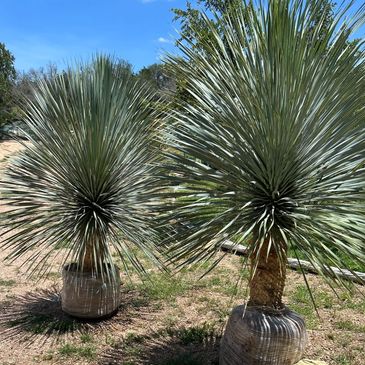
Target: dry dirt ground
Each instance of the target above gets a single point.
(174, 321)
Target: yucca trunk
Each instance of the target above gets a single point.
(265, 332)
(92, 260)
(268, 277)
(88, 262)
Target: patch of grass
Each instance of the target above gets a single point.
(349, 326)
(160, 286)
(139, 301)
(216, 281)
(357, 305)
(344, 359)
(227, 282)
(308, 313)
(300, 302)
(132, 337)
(7, 282)
(203, 266)
(86, 338)
(220, 308)
(195, 334)
(301, 295)
(69, 350)
(170, 321)
(111, 341)
(323, 299)
(132, 350)
(233, 289)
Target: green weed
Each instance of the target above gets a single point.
(87, 352)
(86, 338)
(349, 326)
(7, 282)
(162, 287)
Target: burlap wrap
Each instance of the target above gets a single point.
(263, 337)
(89, 296)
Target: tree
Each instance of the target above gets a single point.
(161, 83)
(323, 12)
(194, 31)
(155, 75)
(86, 181)
(25, 84)
(7, 76)
(193, 24)
(270, 153)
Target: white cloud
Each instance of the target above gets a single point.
(164, 40)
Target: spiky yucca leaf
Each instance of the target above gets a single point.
(269, 151)
(86, 179)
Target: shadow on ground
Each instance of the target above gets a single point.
(164, 349)
(37, 317)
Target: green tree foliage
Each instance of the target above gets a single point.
(158, 78)
(322, 13)
(194, 31)
(155, 75)
(7, 76)
(25, 84)
(193, 25)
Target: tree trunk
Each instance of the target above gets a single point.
(91, 263)
(268, 280)
(265, 332)
(88, 262)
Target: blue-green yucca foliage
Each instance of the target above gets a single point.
(86, 180)
(269, 152)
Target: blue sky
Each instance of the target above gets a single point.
(59, 31)
(38, 32)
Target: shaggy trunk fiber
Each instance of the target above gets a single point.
(88, 263)
(268, 280)
(264, 332)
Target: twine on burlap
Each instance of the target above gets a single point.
(89, 296)
(257, 336)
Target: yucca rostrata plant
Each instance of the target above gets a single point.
(85, 182)
(269, 152)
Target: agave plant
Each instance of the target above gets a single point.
(85, 181)
(270, 153)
